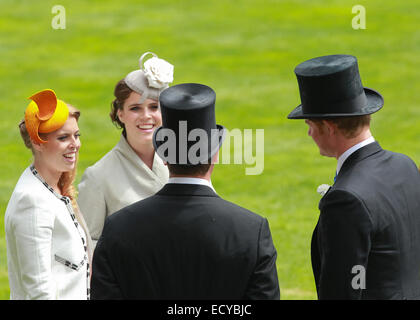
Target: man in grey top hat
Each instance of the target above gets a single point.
(366, 244)
(186, 242)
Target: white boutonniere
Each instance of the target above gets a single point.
(323, 189)
(158, 72)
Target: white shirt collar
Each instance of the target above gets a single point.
(349, 151)
(185, 180)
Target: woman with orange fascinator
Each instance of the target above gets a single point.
(48, 244)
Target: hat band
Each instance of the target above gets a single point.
(346, 107)
(188, 148)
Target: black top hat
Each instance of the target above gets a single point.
(330, 87)
(189, 134)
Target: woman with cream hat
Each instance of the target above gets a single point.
(48, 244)
(131, 171)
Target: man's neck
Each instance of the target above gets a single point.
(205, 177)
(346, 143)
(343, 157)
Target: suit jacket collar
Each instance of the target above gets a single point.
(180, 189)
(341, 159)
(359, 155)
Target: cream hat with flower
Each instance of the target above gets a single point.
(152, 78)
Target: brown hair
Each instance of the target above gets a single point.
(65, 183)
(348, 126)
(121, 93)
(184, 170)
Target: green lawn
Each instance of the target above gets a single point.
(246, 50)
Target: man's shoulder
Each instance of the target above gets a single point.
(392, 157)
(142, 206)
(155, 207)
(373, 179)
(233, 207)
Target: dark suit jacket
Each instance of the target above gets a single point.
(370, 226)
(185, 242)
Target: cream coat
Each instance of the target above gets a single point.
(40, 235)
(117, 180)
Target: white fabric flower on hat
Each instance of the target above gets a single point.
(158, 72)
(323, 189)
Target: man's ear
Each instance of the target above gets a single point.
(331, 127)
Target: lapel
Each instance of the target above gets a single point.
(315, 256)
(359, 155)
(159, 170)
(181, 189)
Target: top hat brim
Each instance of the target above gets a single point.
(375, 102)
(222, 132)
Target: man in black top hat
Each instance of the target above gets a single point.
(366, 244)
(186, 242)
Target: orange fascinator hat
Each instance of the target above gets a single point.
(44, 114)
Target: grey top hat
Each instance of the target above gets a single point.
(330, 87)
(152, 78)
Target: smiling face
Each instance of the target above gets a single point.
(59, 154)
(140, 120)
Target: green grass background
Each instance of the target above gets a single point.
(246, 50)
